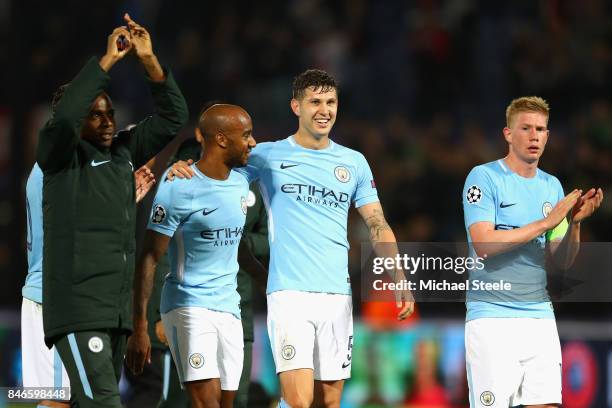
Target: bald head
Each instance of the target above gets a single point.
(227, 131)
(222, 118)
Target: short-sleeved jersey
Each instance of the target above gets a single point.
(308, 194)
(493, 193)
(205, 218)
(33, 284)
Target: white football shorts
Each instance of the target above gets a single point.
(513, 361)
(311, 330)
(41, 366)
(205, 344)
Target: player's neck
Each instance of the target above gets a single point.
(308, 141)
(520, 167)
(213, 166)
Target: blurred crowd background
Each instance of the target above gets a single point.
(423, 89)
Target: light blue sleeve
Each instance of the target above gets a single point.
(256, 163)
(559, 187)
(478, 197)
(172, 204)
(365, 190)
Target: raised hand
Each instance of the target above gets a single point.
(113, 53)
(587, 204)
(562, 208)
(141, 41)
(140, 38)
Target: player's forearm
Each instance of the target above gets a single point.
(491, 242)
(143, 287)
(564, 252)
(385, 246)
(153, 68)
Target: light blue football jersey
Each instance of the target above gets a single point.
(495, 194)
(308, 194)
(205, 218)
(32, 289)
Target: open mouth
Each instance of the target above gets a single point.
(533, 149)
(322, 122)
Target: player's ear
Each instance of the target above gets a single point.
(507, 134)
(295, 106)
(221, 139)
(198, 135)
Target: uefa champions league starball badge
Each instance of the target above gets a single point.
(159, 215)
(473, 195)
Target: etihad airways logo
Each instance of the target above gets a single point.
(223, 236)
(316, 194)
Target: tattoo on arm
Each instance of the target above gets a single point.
(377, 224)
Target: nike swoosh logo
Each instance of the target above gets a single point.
(286, 166)
(206, 211)
(96, 164)
(344, 365)
(502, 205)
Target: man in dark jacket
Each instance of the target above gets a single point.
(88, 210)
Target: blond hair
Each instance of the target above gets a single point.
(526, 104)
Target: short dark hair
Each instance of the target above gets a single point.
(57, 95)
(313, 78)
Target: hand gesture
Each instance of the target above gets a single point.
(587, 204)
(181, 170)
(140, 38)
(113, 52)
(561, 209)
(138, 351)
(144, 180)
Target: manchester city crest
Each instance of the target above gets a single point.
(342, 174)
(546, 208)
(487, 398)
(196, 360)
